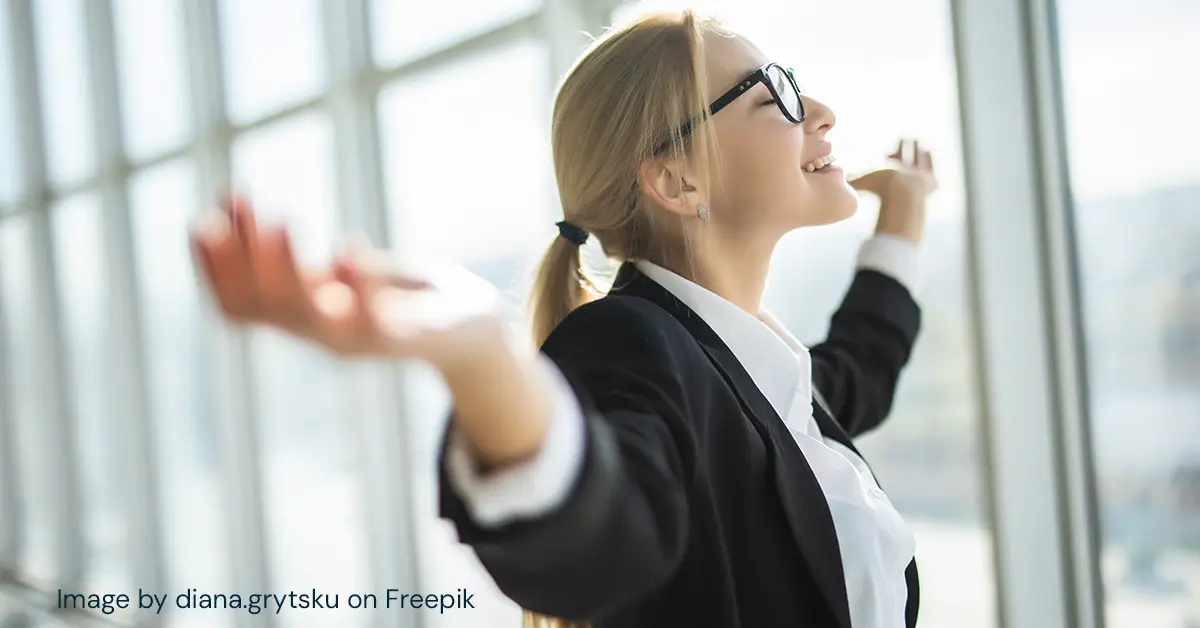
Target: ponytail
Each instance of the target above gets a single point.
(559, 286)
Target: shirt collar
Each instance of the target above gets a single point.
(769, 353)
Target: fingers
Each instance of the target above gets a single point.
(225, 265)
(284, 297)
(244, 224)
(909, 153)
(359, 322)
(252, 271)
(351, 325)
(922, 159)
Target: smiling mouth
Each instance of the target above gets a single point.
(819, 163)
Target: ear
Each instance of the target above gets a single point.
(670, 186)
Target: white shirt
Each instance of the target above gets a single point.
(876, 545)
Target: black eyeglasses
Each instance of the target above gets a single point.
(778, 79)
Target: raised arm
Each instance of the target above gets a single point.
(871, 334)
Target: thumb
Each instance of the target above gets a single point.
(865, 182)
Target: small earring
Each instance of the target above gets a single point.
(702, 211)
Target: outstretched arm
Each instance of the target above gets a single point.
(619, 528)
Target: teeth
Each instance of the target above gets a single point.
(818, 163)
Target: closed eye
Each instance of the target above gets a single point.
(767, 102)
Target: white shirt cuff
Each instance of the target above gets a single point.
(535, 486)
(891, 255)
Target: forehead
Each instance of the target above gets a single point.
(729, 59)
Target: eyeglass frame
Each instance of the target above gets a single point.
(732, 94)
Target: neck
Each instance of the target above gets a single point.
(733, 268)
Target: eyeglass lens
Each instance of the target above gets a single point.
(788, 95)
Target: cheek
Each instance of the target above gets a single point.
(780, 175)
(761, 169)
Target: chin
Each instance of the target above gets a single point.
(836, 209)
(849, 205)
(828, 206)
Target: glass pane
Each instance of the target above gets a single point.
(927, 453)
(315, 517)
(402, 30)
(83, 294)
(153, 75)
(12, 173)
(505, 209)
(30, 403)
(163, 202)
(273, 54)
(495, 223)
(1137, 227)
(63, 76)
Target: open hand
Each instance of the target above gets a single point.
(909, 177)
(902, 187)
(366, 303)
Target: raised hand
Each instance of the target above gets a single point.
(909, 176)
(366, 303)
(902, 187)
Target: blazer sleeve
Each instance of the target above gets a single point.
(871, 336)
(623, 527)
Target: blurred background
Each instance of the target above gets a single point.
(1046, 443)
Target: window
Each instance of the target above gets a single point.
(403, 30)
(1136, 228)
(273, 55)
(282, 147)
(63, 75)
(153, 75)
(162, 202)
(78, 231)
(312, 480)
(27, 383)
(472, 186)
(887, 70)
(11, 174)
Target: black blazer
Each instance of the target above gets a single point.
(695, 506)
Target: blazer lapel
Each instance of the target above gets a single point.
(803, 500)
(828, 424)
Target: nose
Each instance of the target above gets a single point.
(819, 118)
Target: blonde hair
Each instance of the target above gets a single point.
(625, 98)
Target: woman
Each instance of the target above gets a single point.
(661, 460)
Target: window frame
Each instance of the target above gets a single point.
(1031, 356)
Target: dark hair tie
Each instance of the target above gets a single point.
(572, 232)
